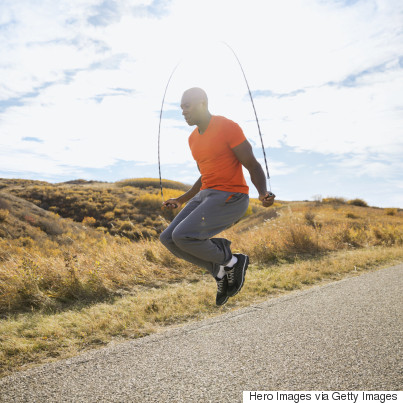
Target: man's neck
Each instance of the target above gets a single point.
(202, 126)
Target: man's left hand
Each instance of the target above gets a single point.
(267, 199)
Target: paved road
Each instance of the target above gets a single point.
(346, 335)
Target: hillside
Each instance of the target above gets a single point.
(81, 264)
(128, 208)
(73, 242)
(85, 241)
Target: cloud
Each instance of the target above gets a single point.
(155, 8)
(112, 92)
(4, 104)
(268, 93)
(367, 75)
(111, 11)
(339, 119)
(374, 165)
(87, 78)
(112, 62)
(34, 139)
(104, 13)
(344, 3)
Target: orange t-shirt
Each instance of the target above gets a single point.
(212, 150)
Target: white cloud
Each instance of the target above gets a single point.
(341, 67)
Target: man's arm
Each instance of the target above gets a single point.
(245, 156)
(177, 202)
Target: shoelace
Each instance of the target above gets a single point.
(220, 284)
(231, 276)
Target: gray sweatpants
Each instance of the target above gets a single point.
(207, 214)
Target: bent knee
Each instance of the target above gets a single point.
(178, 236)
(166, 238)
(181, 237)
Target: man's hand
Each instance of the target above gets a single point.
(267, 199)
(171, 204)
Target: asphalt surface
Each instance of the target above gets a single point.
(345, 335)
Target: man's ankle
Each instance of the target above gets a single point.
(232, 261)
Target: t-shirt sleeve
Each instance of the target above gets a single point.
(235, 135)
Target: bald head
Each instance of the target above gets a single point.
(195, 94)
(194, 106)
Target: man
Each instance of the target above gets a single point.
(217, 199)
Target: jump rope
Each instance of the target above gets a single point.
(254, 109)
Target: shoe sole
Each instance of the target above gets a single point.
(244, 268)
(222, 303)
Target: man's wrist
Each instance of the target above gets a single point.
(183, 199)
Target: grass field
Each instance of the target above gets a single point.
(66, 286)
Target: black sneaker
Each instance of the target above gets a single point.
(222, 287)
(236, 274)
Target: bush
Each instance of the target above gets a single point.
(358, 202)
(391, 211)
(317, 199)
(4, 204)
(109, 215)
(334, 200)
(310, 218)
(149, 201)
(351, 236)
(90, 221)
(104, 203)
(3, 215)
(50, 227)
(388, 235)
(144, 183)
(301, 239)
(126, 226)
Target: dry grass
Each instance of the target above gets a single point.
(40, 272)
(304, 229)
(129, 208)
(51, 278)
(65, 287)
(34, 338)
(144, 183)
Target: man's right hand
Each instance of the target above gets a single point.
(171, 204)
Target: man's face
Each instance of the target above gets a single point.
(191, 108)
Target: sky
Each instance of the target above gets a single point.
(82, 82)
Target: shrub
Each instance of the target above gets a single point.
(388, 235)
(172, 193)
(151, 201)
(351, 236)
(144, 183)
(50, 227)
(110, 215)
(301, 239)
(30, 219)
(310, 218)
(90, 221)
(334, 200)
(126, 226)
(117, 211)
(4, 204)
(3, 215)
(317, 199)
(358, 202)
(391, 211)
